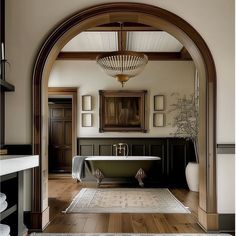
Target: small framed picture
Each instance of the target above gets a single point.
(158, 102)
(158, 119)
(87, 119)
(86, 103)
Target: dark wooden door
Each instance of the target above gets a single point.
(60, 137)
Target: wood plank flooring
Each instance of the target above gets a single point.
(62, 191)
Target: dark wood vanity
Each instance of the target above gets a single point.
(12, 168)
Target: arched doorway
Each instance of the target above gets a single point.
(137, 13)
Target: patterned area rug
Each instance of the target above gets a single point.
(124, 200)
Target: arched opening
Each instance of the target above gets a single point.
(137, 13)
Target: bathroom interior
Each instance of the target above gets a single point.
(123, 132)
(102, 152)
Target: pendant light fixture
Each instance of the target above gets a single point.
(122, 64)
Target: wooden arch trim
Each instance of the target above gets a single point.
(203, 60)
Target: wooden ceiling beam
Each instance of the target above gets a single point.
(152, 56)
(127, 26)
(122, 37)
(185, 54)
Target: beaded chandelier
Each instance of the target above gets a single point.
(121, 64)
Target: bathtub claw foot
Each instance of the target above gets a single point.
(99, 176)
(140, 176)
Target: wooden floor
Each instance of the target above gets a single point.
(62, 191)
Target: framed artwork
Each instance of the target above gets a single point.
(158, 102)
(87, 119)
(86, 103)
(158, 119)
(122, 110)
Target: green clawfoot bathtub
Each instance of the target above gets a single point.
(120, 167)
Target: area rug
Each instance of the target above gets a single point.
(125, 200)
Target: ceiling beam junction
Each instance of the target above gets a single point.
(152, 56)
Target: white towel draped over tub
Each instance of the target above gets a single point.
(78, 167)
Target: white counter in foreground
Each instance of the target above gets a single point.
(14, 163)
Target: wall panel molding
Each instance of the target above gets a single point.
(225, 148)
(227, 222)
(172, 151)
(19, 149)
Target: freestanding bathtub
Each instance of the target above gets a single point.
(120, 166)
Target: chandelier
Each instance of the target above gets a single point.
(121, 64)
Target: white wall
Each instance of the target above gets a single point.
(29, 21)
(226, 181)
(157, 78)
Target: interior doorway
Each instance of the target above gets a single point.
(62, 123)
(196, 46)
(60, 135)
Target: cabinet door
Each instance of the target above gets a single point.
(157, 147)
(178, 159)
(60, 138)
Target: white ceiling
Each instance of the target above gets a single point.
(92, 42)
(152, 41)
(145, 41)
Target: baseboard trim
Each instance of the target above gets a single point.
(208, 221)
(227, 222)
(36, 221)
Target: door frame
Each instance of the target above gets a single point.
(69, 91)
(204, 62)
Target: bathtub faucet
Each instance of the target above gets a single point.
(122, 149)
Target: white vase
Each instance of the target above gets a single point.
(192, 176)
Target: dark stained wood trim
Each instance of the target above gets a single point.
(122, 36)
(184, 54)
(227, 223)
(198, 49)
(2, 94)
(128, 26)
(152, 56)
(35, 220)
(208, 221)
(225, 148)
(58, 90)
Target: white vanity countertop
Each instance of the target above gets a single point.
(14, 163)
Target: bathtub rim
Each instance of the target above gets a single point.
(122, 158)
